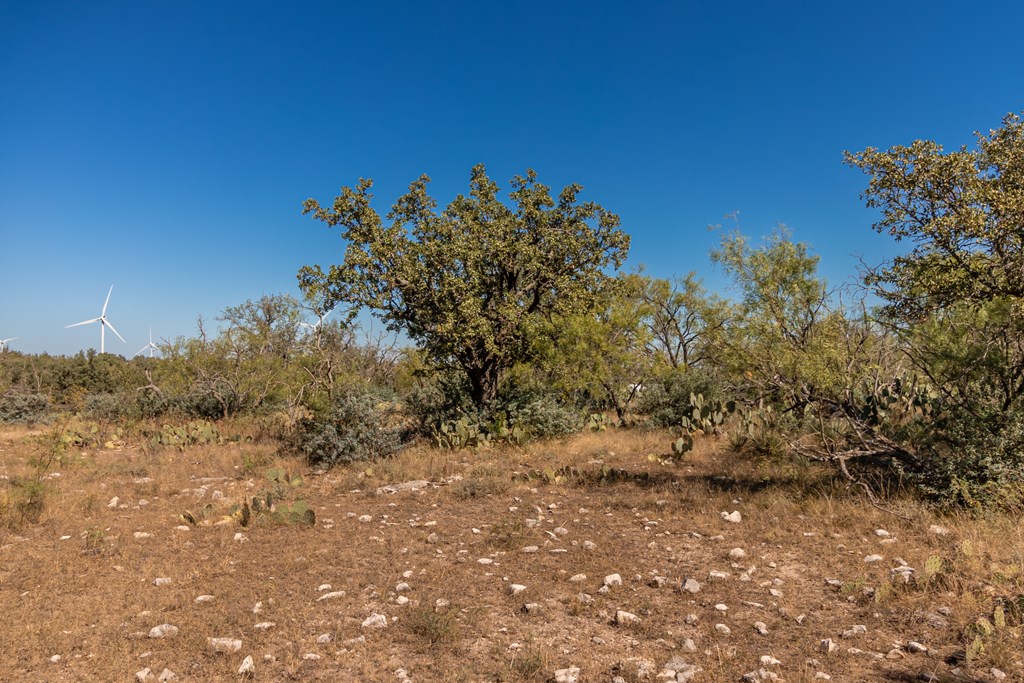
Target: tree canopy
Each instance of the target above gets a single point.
(473, 284)
(963, 211)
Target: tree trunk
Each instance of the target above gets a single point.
(483, 385)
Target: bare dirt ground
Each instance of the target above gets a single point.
(495, 570)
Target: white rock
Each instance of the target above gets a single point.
(311, 656)
(228, 645)
(375, 621)
(578, 578)
(761, 627)
(857, 630)
(144, 675)
(718, 575)
(721, 607)
(828, 646)
(589, 545)
(248, 666)
(623, 618)
(530, 549)
(401, 587)
(324, 638)
(691, 586)
(916, 647)
(140, 535)
(114, 502)
(822, 676)
(401, 601)
(938, 530)
(570, 675)
(613, 580)
(324, 587)
(331, 596)
(882, 533)
(240, 537)
(734, 517)
(516, 588)
(723, 629)
(167, 675)
(997, 674)
(365, 519)
(768, 660)
(203, 598)
(873, 558)
(737, 554)
(263, 625)
(54, 659)
(485, 560)
(162, 581)
(163, 631)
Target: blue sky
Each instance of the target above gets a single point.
(166, 148)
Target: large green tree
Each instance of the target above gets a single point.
(473, 284)
(963, 214)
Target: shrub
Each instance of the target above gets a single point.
(354, 429)
(667, 401)
(541, 416)
(438, 399)
(976, 462)
(110, 407)
(16, 406)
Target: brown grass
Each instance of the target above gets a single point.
(90, 597)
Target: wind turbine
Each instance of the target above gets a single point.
(5, 342)
(320, 321)
(151, 346)
(102, 320)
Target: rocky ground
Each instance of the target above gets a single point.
(583, 560)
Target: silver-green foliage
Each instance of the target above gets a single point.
(354, 428)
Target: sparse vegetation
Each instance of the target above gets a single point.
(553, 423)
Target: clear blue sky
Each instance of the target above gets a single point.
(166, 147)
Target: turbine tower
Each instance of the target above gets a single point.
(5, 342)
(104, 323)
(150, 346)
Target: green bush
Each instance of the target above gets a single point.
(541, 416)
(354, 429)
(667, 401)
(438, 399)
(110, 407)
(17, 406)
(975, 461)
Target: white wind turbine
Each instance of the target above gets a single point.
(102, 320)
(320, 321)
(5, 342)
(150, 346)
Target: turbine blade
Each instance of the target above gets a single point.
(84, 322)
(107, 323)
(142, 349)
(107, 302)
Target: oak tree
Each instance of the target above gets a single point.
(473, 284)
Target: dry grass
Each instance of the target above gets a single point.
(75, 581)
